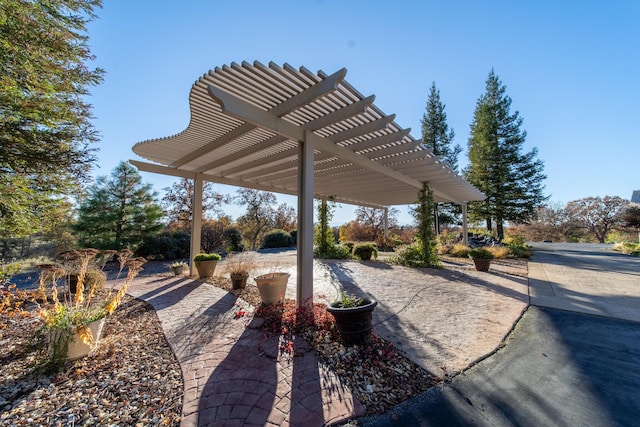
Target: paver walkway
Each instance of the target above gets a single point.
(233, 374)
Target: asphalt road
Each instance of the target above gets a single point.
(561, 366)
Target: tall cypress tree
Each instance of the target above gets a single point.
(435, 131)
(439, 138)
(511, 180)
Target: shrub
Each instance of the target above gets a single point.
(460, 250)
(294, 237)
(207, 257)
(515, 241)
(277, 239)
(499, 251)
(520, 252)
(333, 252)
(233, 238)
(365, 251)
(410, 256)
(446, 240)
(481, 253)
(627, 248)
(166, 245)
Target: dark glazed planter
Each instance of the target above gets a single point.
(72, 281)
(354, 323)
(482, 264)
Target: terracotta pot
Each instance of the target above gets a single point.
(272, 287)
(354, 323)
(482, 264)
(239, 281)
(206, 268)
(76, 348)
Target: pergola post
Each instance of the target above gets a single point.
(304, 286)
(465, 227)
(196, 221)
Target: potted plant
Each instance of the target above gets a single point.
(206, 264)
(272, 286)
(178, 268)
(238, 266)
(481, 258)
(74, 321)
(353, 318)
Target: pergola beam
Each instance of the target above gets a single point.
(242, 110)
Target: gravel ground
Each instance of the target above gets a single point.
(131, 379)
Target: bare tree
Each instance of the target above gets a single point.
(213, 234)
(285, 217)
(598, 215)
(259, 216)
(551, 222)
(178, 202)
(369, 224)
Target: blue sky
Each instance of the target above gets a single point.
(570, 67)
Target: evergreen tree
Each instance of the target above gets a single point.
(120, 211)
(511, 180)
(425, 238)
(437, 136)
(45, 129)
(435, 130)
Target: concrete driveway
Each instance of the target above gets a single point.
(587, 278)
(572, 360)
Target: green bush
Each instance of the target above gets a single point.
(411, 256)
(294, 237)
(233, 238)
(513, 240)
(481, 253)
(207, 257)
(166, 245)
(350, 245)
(365, 251)
(277, 239)
(333, 252)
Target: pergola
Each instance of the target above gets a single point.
(287, 130)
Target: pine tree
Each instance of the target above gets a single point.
(437, 136)
(120, 211)
(511, 180)
(45, 120)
